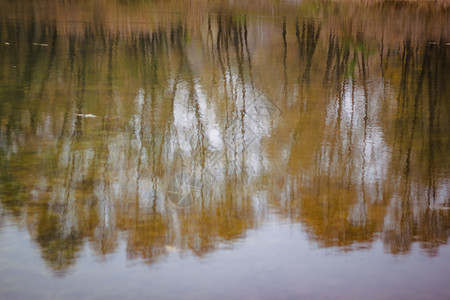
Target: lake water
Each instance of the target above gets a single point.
(220, 150)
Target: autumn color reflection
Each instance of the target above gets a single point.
(183, 136)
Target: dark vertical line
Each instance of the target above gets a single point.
(418, 98)
(366, 120)
(249, 60)
(331, 47)
(431, 193)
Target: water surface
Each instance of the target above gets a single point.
(257, 150)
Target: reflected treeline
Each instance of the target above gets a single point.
(183, 137)
(375, 144)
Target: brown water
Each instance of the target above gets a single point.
(260, 150)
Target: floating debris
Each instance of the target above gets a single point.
(42, 45)
(86, 116)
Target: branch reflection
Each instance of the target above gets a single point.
(181, 137)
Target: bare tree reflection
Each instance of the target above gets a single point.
(324, 123)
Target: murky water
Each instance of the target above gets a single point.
(261, 150)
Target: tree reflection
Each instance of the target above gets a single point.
(321, 122)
